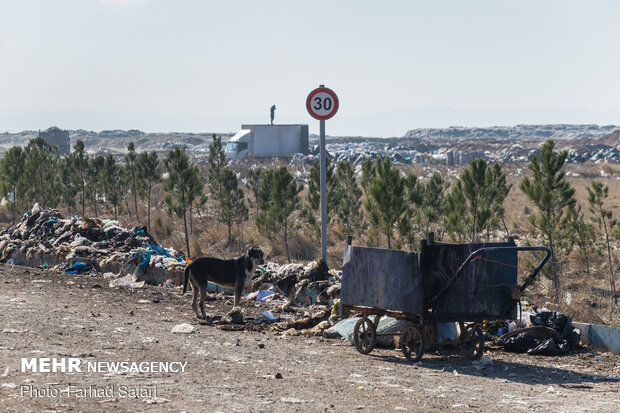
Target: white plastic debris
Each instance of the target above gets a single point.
(183, 328)
(126, 282)
(486, 360)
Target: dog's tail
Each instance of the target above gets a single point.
(187, 270)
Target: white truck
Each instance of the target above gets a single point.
(264, 141)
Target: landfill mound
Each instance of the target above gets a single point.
(130, 257)
(45, 238)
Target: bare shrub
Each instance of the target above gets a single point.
(196, 247)
(303, 249)
(162, 227)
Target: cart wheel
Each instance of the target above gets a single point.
(472, 342)
(412, 343)
(364, 335)
(430, 335)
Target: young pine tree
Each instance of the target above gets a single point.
(472, 190)
(349, 208)
(224, 188)
(133, 179)
(12, 175)
(181, 174)
(196, 195)
(111, 181)
(579, 232)
(232, 201)
(386, 202)
(253, 182)
(80, 171)
(149, 173)
(94, 181)
(476, 201)
(311, 211)
(68, 190)
(277, 200)
(217, 162)
(409, 224)
(497, 180)
(552, 194)
(430, 201)
(597, 193)
(40, 171)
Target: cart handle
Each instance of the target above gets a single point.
(528, 281)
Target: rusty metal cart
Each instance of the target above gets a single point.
(461, 283)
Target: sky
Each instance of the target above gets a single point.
(209, 66)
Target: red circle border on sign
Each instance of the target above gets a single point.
(329, 92)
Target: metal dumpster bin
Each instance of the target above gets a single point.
(482, 290)
(382, 279)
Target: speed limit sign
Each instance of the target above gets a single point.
(322, 103)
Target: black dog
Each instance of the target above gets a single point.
(227, 273)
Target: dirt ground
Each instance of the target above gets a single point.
(44, 314)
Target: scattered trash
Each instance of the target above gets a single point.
(553, 334)
(269, 316)
(387, 325)
(560, 323)
(81, 244)
(169, 283)
(331, 332)
(292, 400)
(183, 328)
(78, 268)
(485, 360)
(156, 400)
(110, 275)
(126, 282)
(260, 295)
(234, 316)
(13, 331)
(446, 332)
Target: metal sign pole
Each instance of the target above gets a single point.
(323, 195)
(322, 103)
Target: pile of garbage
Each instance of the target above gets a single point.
(80, 244)
(302, 299)
(549, 333)
(304, 294)
(300, 284)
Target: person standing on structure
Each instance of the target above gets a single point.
(273, 111)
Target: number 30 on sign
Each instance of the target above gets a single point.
(322, 103)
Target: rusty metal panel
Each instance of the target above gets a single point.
(482, 291)
(381, 279)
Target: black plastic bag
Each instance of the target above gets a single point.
(520, 343)
(550, 347)
(552, 319)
